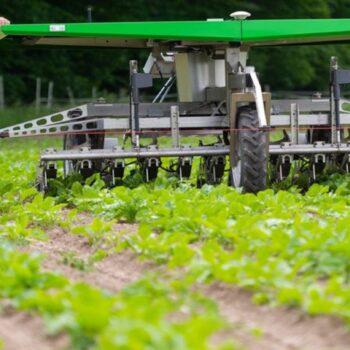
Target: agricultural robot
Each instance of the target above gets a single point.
(218, 94)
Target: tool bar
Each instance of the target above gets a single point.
(119, 153)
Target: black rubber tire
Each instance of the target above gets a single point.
(251, 153)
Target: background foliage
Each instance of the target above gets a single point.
(288, 68)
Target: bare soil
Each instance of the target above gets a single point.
(281, 328)
(23, 331)
(112, 273)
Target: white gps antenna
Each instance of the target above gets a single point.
(240, 15)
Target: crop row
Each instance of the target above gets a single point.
(288, 248)
(156, 312)
(137, 318)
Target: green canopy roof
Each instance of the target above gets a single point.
(142, 34)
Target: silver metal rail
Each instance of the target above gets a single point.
(187, 125)
(99, 117)
(308, 149)
(119, 153)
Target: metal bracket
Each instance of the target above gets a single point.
(339, 77)
(118, 169)
(258, 96)
(346, 162)
(137, 81)
(86, 164)
(149, 168)
(217, 167)
(294, 123)
(318, 162)
(184, 167)
(174, 120)
(284, 163)
(162, 94)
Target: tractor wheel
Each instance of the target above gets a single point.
(249, 168)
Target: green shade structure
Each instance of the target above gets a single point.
(143, 34)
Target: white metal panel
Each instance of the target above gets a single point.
(195, 72)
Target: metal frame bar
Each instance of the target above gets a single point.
(49, 120)
(217, 150)
(260, 99)
(308, 149)
(157, 116)
(119, 153)
(191, 125)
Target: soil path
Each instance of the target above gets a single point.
(281, 328)
(22, 331)
(112, 273)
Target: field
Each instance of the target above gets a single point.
(169, 266)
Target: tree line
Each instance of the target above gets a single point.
(282, 68)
